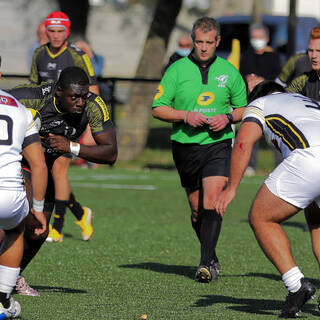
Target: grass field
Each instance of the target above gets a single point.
(143, 256)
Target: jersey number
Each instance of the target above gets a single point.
(6, 126)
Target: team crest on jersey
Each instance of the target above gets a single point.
(46, 90)
(205, 98)
(222, 80)
(159, 92)
(8, 101)
(51, 66)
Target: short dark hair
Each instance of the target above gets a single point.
(73, 75)
(206, 24)
(264, 88)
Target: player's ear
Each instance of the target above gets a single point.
(59, 91)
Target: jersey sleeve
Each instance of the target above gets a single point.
(83, 61)
(31, 95)
(166, 90)
(254, 113)
(34, 124)
(98, 116)
(34, 74)
(238, 91)
(298, 84)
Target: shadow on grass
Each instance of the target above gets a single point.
(58, 289)
(248, 305)
(186, 271)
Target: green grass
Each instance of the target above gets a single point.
(143, 256)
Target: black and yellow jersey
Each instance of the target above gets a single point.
(295, 67)
(47, 67)
(42, 98)
(307, 84)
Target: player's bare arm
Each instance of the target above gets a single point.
(168, 114)
(248, 134)
(105, 152)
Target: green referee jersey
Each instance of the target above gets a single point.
(211, 91)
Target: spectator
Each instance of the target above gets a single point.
(98, 64)
(195, 95)
(185, 46)
(259, 63)
(42, 38)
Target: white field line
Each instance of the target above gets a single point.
(113, 186)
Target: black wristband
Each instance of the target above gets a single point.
(230, 117)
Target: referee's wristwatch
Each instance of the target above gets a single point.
(230, 117)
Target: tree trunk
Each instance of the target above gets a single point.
(133, 127)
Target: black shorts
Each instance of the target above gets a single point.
(195, 162)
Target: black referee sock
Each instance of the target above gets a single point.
(209, 234)
(75, 207)
(61, 207)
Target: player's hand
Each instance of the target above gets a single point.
(218, 122)
(223, 200)
(196, 119)
(59, 143)
(42, 220)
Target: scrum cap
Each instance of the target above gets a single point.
(58, 19)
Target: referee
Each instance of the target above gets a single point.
(202, 95)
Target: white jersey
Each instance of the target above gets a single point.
(17, 130)
(290, 120)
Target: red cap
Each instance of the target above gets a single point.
(58, 19)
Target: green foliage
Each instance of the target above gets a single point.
(143, 256)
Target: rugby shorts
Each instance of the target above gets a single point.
(14, 207)
(296, 179)
(195, 162)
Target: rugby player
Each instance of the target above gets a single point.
(19, 134)
(66, 108)
(47, 63)
(292, 123)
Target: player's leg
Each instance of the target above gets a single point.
(13, 209)
(266, 214)
(64, 199)
(312, 214)
(32, 242)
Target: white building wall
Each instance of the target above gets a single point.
(309, 8)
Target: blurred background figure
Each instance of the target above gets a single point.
(185, 46)
(260, 62)
(42, 38)
(97, 61)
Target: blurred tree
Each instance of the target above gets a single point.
(256, 14)
(134, 122)
(77, 10)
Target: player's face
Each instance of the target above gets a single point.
(205, 44)
(56, 36)
(74, 98)
(314, 53)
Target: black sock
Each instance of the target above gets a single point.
(209, 234)
(75, 207)
(60, 208)
(5, 299)
(196, 227)
(31, 246)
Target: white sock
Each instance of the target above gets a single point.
(8, 278)
(291, 279)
